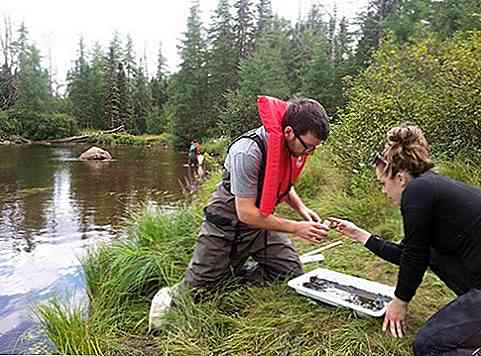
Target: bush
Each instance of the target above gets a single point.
(37, 127)
(432, 83)
(8, 126)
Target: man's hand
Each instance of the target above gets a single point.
(311, 231)
(309, 215)
(395, 318)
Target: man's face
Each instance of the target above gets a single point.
(300, 145)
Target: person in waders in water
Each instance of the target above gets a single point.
(260, 169)
(442, 231)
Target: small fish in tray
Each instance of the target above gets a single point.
(357, 296)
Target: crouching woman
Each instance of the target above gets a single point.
(442, 231)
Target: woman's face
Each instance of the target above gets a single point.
(392, 187)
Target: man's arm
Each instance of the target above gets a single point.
(249, 214)
(298, 205)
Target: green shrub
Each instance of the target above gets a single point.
(432, 83)
(36, 127)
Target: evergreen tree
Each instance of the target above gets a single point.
(8, 81)
(112, 115)
(264, 17)
(319, 79)
(264, 73)
(142, 101)
(125, 114)
(33, 90)
(244, 28)
(189, 91)
(449, 16)
(222, 61)
(158, 84)
(372, 26)
(78, 89)
(97, 82)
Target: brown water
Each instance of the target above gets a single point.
(53, 206)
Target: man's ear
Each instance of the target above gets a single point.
(288, 133)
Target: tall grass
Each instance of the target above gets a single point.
(123, 276)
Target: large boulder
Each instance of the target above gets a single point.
(95, 154)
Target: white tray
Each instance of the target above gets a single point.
(344, 279)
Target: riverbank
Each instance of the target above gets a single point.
(97, 137)
(123, 277)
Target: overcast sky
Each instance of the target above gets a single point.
(58, 24)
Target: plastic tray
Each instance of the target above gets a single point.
(344, 279)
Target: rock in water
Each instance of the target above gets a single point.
(95, 154)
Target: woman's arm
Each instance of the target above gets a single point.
(387, 250)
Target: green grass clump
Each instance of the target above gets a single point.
(123, 276)
(127, 139)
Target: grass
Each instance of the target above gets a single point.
(126, 139)
(123, 277)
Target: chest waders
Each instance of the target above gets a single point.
(221, 211)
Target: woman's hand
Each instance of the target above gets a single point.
(395, 318)
(349, 229)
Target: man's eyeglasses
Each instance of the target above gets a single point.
(307, 148)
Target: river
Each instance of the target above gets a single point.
(53, 207)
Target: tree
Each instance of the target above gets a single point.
(112, 96)
(97, 86)
(372, 24)
(264, 73)
(8, 81)
(221, 60)
(33, 88)
(142, 101)
(244, 28)
(264, 17)
(78, 89)
(189, 92)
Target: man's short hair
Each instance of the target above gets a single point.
(307, 115)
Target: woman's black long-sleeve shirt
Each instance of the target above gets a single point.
(440, 215)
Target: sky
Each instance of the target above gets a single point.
(55, 26)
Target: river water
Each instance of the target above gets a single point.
(53, 207)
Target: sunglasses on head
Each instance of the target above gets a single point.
(378, 158)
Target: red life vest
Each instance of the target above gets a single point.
(282, 169)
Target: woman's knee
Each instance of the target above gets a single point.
(422, 345)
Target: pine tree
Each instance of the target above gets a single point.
(142, 101)
(8, 81)
(372, 26)
(33, 91)
(97, 81)
(189, 91)
(264, 73)
(221, 62)
(78, 89)
(244, 29)
(111, 96)
(125, 112)
(264, 17)
(158, 84)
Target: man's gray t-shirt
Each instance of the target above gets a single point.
(243, 163)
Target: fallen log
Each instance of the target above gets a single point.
(78, 139)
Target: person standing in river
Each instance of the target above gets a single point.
(259, 172)
(442, 230)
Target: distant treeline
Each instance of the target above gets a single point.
(245, 51)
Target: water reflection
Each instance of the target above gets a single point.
(53, 206)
